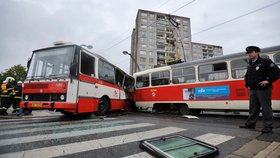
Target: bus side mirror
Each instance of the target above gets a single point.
(73, 69)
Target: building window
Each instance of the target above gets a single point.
(143, 26)
(151, 35)
(142, 59)
(144, 14)
(213, 72)
(151, 60)
(152, 46)
(144, 46)
(144, 20)
(143, 52)
(143, 34)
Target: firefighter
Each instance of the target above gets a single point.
(7, 95)
(17, 96)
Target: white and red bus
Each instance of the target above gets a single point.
(211, 84)
(72, 80)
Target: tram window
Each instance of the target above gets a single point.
(183, 75)
(213, 72)
(87, 64)
(106, 72)
(239, 68)
(277, 59)
(160, 78)
(142, 81)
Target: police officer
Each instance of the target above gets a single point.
(7, 95)
(17, 96)
(260, 75)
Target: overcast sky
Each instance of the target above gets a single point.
(26, 25)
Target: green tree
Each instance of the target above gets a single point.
(18, 72)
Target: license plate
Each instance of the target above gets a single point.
(37, 105)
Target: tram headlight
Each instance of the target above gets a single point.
(26, 97)
(62, 97)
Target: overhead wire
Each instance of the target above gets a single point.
(124, 39)
(235, 18)
(102, 51)
(217, 25)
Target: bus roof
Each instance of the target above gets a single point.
(208, 60)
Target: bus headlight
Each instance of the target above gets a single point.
(26, 97)
(62, 97)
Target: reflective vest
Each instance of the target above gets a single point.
(7, 90)
(4, 88)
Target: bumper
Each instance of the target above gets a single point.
(49, 105)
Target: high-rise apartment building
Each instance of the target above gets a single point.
(203, 51)
(160, 39)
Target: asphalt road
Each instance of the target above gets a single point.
(49, 134)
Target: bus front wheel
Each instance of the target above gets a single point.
(184, 109)
(103, 107)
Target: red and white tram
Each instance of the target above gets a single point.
(72, 80)
(211, 84)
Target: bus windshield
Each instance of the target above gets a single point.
(51, 63)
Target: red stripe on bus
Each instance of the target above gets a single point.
(93, 80)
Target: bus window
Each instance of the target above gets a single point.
(277, 58)
(129, 84)
(160, 78)
(213, 72)
(142, 81)
(87, 64)
(239, 68)
(119, 77)
(183, 75)
(106, 72)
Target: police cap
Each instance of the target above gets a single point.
(249, 49)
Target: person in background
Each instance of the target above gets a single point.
(260, 75)
(17, 96)
(7, 95)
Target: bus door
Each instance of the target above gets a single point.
(87, 89)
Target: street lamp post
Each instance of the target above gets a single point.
(126, 53)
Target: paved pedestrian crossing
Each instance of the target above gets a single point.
(109, 137)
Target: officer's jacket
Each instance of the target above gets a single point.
(260, 70)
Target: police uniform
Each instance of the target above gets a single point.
(260, 70)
